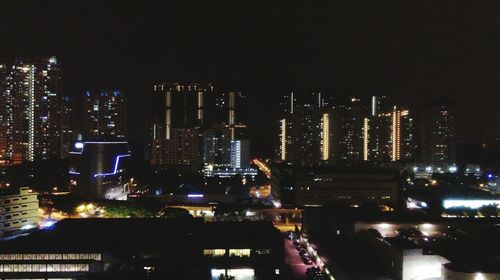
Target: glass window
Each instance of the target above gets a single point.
(214, 252)
(262, 251)
(239, 253)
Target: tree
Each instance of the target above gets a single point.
(174, 212)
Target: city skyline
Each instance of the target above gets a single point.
(298, 49)
(261, 140)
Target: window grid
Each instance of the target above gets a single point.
(239, 253)
(79, 267)
(214, 252)
(27, 257)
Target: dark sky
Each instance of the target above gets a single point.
(413, 51)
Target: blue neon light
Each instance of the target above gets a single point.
(74, 173)
(117, 160)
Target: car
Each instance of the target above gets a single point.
(307, 261)
(312, 270)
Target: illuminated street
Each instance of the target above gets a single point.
(263, 167)
(294, 261)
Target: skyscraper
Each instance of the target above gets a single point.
(213, 118)
(438, 134)
(389, 136)
(347, 126)
(4, 116)
(69, 124)
(304, 131)
(30, 101)
(104, 115)
(319, 132)
(190, 105)
(217, 147)
(240, 153)
(378, 131)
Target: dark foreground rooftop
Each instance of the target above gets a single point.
(142, 234)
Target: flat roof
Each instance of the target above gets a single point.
(157, 234)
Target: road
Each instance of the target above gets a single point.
(294, 261)
(263, 167)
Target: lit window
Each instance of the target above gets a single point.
(214, 252)
(262, 251)
(239, 253)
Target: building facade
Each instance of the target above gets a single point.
(200, 251)
(318, 132)
(99, 170)
(19, 210)
(30, 106)
(389, 136)
(193, 124)
(104, 116)
(438, 135)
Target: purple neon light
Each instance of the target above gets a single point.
(117, 160)
(195, 195)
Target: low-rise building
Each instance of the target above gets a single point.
(187, 248)
(18, 210)
(323, 185)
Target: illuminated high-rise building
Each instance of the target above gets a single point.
(69, 124)
(438, 134)
(4, 116)
(376, 104)
(318, 132)
(214, 118)
(30, 91)
(217, 147)
(347, 132)
(409, 148)
(240, 154)
(104, 115)
(389, 137)
(304, 131)
(379, 133)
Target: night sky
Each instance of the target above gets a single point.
(412, 51)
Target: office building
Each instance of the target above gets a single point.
(92, 248)
(30, 101)
(19, 210)
(104, 116)
(99, 169)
